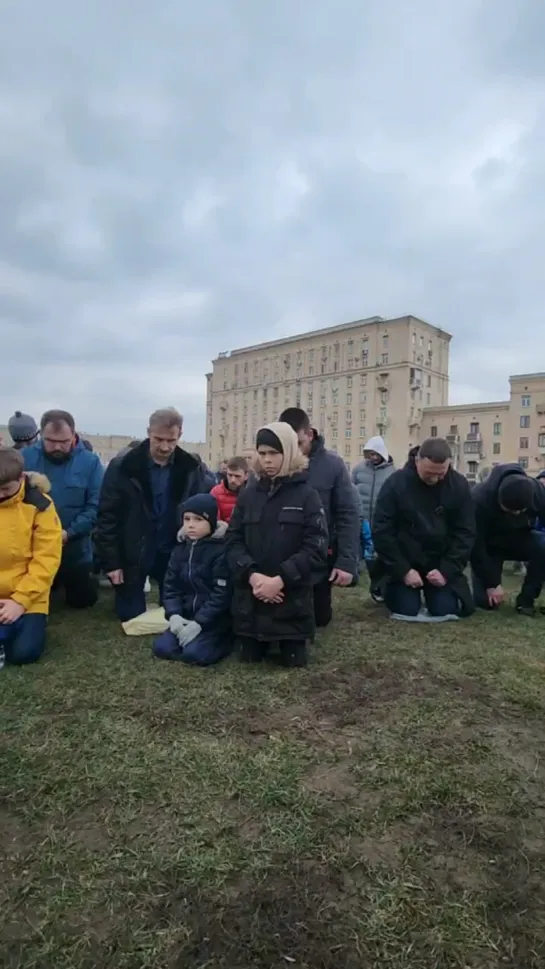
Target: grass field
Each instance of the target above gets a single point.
(385, 808)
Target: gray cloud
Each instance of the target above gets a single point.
(178, 181)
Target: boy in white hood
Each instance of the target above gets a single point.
(368, 477)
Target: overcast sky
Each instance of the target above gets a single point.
(178, 179)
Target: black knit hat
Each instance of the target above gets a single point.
(267, 438)
(516, 492)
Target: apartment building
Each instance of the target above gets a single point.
(483, 435)
(371, 376)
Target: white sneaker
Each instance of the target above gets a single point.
(147, 586)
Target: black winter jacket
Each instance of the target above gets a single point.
(197, 583)
(328, 473)
(125, 507)
(425, 527)
(496, 529)
(277, 528)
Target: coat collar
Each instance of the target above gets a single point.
(135, 465)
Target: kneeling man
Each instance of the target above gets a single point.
(423, 531)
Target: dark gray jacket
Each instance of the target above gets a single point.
(328, 474)
(369, 479)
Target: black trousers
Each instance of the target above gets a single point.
(80, 585)
(527, 547)
(293, 652)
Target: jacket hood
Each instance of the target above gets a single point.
(498, 474)
(540, 475)
(219, 533)
(37, 480)
(377, 444)
(294, 461)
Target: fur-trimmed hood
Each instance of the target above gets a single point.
(294, 462)
(216, 536)
(37, 480)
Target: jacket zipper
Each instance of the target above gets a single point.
(189, 574)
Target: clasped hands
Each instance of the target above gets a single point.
(267, 589)
(414, 580)
(185, 630)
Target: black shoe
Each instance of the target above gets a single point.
(376, 595)
(524, 610)
(293, 655)
(252, 651)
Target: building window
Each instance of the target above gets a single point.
(525, 400)
(362, 431)
(472, 467)
(363, 380)
(523, 463)
(385, 342)
(349, 381)
(525, 420)
(497, 429)
(428, 400)
(349, 416)
(541, 440)
(362, 415)
(523, 443)
(348, 432)
(334, 433)
(414, 339)
(474, 427)
(349, 398)
(363, 398)
(429, 381)
(384, 358)
(496, 448)
(453, 429)
(433, 432)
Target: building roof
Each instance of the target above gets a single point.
(325, 331)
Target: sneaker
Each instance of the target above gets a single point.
(147, 587)
(377, 596)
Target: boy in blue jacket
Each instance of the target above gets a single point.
(75, 475)
(197, 589)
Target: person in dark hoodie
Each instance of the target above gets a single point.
(197, 589)
(423, 532)
(368, 477)
(75, 475)
(138, 515)
(507, 508)
(276, 545)
(328, 473)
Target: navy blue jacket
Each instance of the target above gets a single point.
(197, 584)
(75, 490)
(126, 507)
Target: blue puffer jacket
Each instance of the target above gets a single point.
(197, 583)
(75, 489)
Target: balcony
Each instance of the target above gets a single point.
(383, 381)
(453, 440)
(474, 436)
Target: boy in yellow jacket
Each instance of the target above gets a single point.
(30, 555)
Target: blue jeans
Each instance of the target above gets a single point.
(24, 640)
(130, 600)
(207, 648)
(440, 601)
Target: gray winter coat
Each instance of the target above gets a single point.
(369, 479)
(328, 474)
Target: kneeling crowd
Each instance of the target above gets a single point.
(251, 560)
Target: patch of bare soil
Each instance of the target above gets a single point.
(87, 829)
(335, 781)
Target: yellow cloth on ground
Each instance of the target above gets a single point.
(150, 623)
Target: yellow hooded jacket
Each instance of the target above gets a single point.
(30, 545)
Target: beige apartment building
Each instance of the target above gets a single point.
(372, 376)
(483, 435)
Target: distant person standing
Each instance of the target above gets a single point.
(139, 513)
(23, 430)
(328, 474)
(226, 493)
(369, 476)
(75, 475)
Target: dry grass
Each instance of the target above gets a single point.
(385, 808)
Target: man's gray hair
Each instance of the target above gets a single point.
(167, 417)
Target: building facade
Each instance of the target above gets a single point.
(355, 380)
(483, 435)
